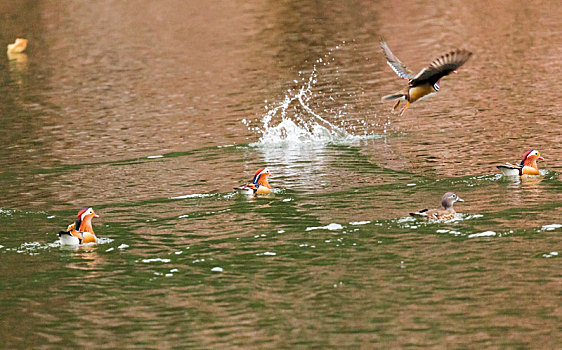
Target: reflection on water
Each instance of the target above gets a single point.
(151, 112)
(18, 67)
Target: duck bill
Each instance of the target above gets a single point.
(541, 158)
(96, 216)
(459, 199)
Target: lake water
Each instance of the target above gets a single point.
(152, 111)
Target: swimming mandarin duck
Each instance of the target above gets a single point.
(426, 82)
(446, 213)
(527, 166)
(18, 46)
(259, 184)
(85, 231)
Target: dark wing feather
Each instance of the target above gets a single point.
(420, 213)
(397, 66)
(441, 67)
(509, 166)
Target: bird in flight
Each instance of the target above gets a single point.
(426, 82)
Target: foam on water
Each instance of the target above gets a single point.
(293, 120)
(160, 260)
(360, 222)
(331, 227)
(550, 227)
(34, 248)
(483, 234)
(193, 195)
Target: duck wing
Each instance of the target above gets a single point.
(249, 188)
(510, 169)
(441, 66)
(422, 213)
(397, 66)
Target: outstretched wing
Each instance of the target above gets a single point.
(440, 67)
(397, 66)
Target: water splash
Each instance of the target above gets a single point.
(296, 121)
(34, 248)
(293, 120)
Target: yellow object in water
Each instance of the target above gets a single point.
(18, 46)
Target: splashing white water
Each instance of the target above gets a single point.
(298, 122)
(292, 121)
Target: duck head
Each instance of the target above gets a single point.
(84, 220)
(449, 199)
(260, 178)
(18, 46)
(530, 158)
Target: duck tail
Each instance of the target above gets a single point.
(420, 213)
(393, 97)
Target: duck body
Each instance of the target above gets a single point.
(420, 92)
(426, 82)
(527, 166)
(446, 213)
(259, 184)
(84, 233)
(436, 214)
(251, 189)
(509, 169)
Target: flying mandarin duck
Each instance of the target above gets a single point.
(426, 82)
(81, 231)
(447, 213)
(527, 166)
(259, 184)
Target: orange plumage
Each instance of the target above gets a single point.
(527, 166)
(259, 185)
(80, 231)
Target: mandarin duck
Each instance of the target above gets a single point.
(426, 82)
(18, 46)
(527, 166)
(259, 184)
(81, 231)
(446, 213)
